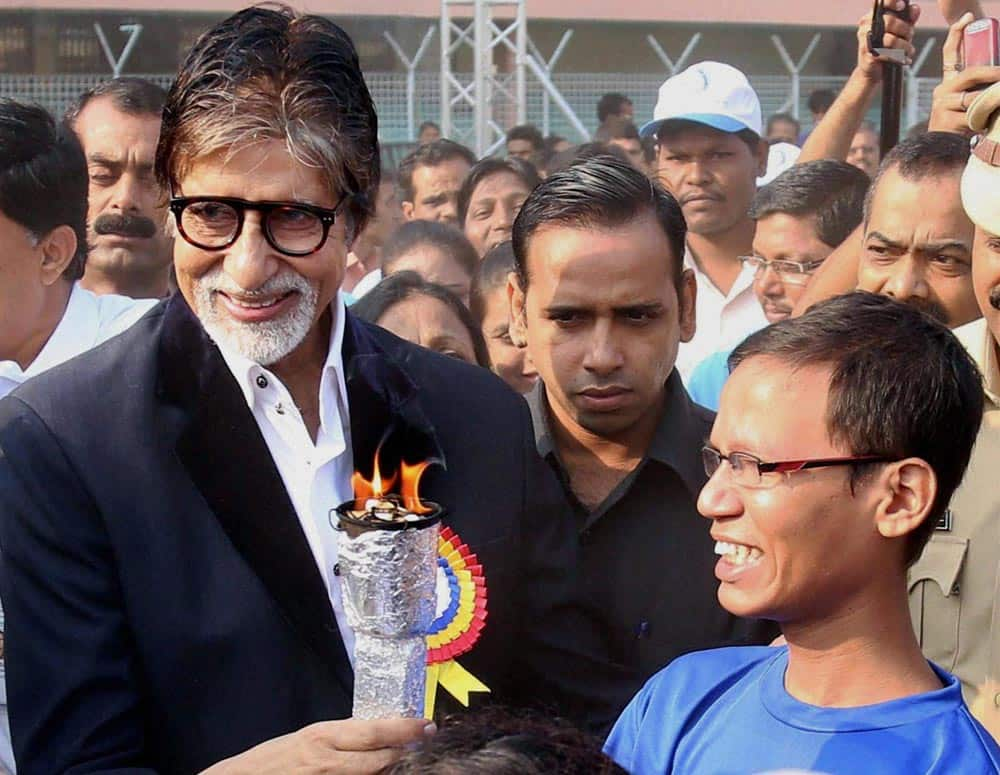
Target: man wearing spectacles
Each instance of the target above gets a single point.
(170, 573)
(840, 439)
(801, 216)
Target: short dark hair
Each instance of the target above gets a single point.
(445, 238)
(43, 176)
(902, 386)
(527, 132)
(578, 153)
(429, 155)
(491, 274)
(931, 154)
(272, 73)
(487, 168)
(602, 191)
(786, 117)
(616, 129)
(427, 125)
(832, 191)
(131, 95)
(611, 104)
(820, 100)
(497, 741)
(400, 287)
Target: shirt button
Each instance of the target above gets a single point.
(336, 569)
(280, 408)
(261, 381)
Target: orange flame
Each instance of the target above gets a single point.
(376, 488)
(410, 486)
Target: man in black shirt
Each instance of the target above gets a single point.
(601, 299)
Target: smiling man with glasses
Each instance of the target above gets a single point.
(801, 216)
(839, 441)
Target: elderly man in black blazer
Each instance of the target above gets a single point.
(168, 569)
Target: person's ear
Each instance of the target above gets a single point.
(57, 250)
(687, 296)
(407, 208)
(518, 323)
(763, 151)
(907, 490)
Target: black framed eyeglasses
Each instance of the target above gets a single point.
(215, 222)
(748, 469)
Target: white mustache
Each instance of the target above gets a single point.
(216, 280)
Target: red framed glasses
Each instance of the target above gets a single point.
(748, 469)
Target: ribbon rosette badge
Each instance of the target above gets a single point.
(461, 616)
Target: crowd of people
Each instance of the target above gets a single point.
(714, 400)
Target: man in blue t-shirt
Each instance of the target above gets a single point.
(840, 438)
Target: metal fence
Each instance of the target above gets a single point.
(581, 90)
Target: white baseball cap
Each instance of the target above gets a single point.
(709, 93)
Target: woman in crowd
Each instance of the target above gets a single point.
(425, 314)
(490, 199)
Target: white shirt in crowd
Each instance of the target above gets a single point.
(722, 320)
(88, 321)
(366, 283)
(316, 476)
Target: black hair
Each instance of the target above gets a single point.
(442, 236)
(832, 191)
(491, 274)
(495, 741)
(578, 153)
(429, 155)
(43, 176)
(786, 117)
(611, 104)
(820, 100)
(401, 286)
(134, 96)
(427, 125)
(487, 168)
(527, 132)
(550, 143)
(902, 386)
(602, 191)
(916, 158)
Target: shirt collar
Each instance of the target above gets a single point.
(676, 441)
(76, 332)
(246, 371)
(743, 281)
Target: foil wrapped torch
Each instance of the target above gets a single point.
(388, 555)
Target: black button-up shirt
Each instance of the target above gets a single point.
(648, 560)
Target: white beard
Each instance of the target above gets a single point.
(267, 342)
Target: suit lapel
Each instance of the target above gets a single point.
(229, 462)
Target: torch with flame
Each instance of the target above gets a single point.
(388, 559)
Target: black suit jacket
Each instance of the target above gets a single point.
(163, 608)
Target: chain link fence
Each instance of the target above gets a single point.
(581, 90)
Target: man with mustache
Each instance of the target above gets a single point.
(954, 596)
(802, 216)
(170, 573)
(917, 244)
(708, 128)
(118, 124)
(601, 300)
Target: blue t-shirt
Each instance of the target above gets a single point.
(726, 712)
(706, 381)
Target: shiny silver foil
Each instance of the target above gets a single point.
(388, 580)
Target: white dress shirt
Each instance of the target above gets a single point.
(317, 476)
(366, 283)
(88, 321)
(722, 320)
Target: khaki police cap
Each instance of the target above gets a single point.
(981, 180)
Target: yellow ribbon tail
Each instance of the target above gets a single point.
(454, 679)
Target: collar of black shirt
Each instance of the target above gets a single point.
(677, 442)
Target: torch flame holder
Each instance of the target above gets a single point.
(388, 572)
